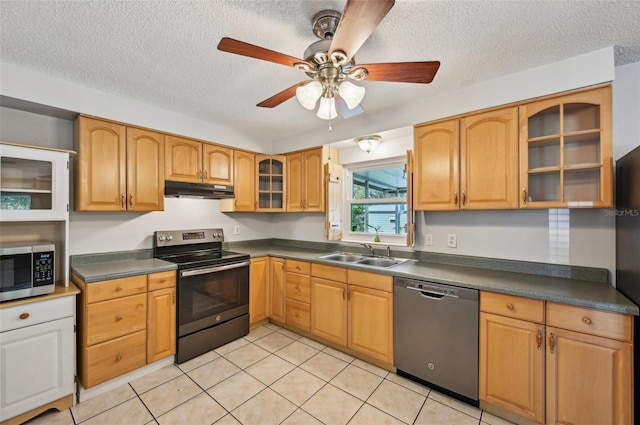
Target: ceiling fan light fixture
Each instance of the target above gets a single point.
(309, 94)
(368, 143)
(327, 108)
(351, 94)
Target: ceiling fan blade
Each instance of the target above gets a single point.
(401, 72)
(245, 49)
(283, 96)
(359, 19)
(343, 109)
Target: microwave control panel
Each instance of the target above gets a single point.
(42, 268)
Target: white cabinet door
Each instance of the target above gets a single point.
(37, 366)
(34, 184)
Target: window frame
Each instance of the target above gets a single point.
(366, 237)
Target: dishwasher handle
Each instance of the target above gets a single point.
(431, 294)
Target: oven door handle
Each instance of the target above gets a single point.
(197, 272)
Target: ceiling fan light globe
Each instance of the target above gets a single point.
(309, 94)
(327, 108)
(351, 94)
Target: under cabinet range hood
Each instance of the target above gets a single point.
(197, 190)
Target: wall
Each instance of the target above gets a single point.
(626, 109)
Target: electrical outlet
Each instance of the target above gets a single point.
(428, 239)
(236, 230)
(452, 241)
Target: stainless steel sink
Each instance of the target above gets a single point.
(379, 262)
(363, 260)
(342, 257)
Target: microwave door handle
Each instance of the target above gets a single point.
(197, 272)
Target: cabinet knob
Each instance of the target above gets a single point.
(118, 357)
(296, 314)
(586, 320)
(118, 318)
(206, 175)
(24, 316)
(297, 288)
(510, 306)
(119, 288)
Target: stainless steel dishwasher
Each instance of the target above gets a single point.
(435, 334)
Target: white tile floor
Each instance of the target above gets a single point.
(271, 376)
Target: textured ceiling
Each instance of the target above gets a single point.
(164, 52)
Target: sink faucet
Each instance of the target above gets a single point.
(369, 247)
(388, 251)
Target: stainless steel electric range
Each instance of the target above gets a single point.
(212, 289)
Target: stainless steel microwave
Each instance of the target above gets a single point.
(26, 269)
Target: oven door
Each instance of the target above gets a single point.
(208, 296)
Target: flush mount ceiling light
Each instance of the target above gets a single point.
(368, 143)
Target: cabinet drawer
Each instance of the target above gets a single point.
(299, 287)
(116, 288)
(370, 280)
(114, 358)
(512, 306)
(338, 274)
(162, 280)
(298, 266)
(20, 316)
(299, 315)
(590, 321)
(115, 318)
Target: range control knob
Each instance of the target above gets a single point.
(161, 238)
(169, 238)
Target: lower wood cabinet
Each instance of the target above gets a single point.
(276, 290)
(298, 294)
(554, 363)
(354, 309)
(258, 287)
(124, 324)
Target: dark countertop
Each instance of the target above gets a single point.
(107, 270)
(582, 293)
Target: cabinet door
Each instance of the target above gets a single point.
(145, 170)
(270, 175)
(329, 310)
(276, 290)
(295, 189)
(161, 324)
(313, 181)
(258, 285)
(370, 322)
(512, 365)
(566, 151)
(183, 160)
(436, 185)
(589, 379)
(101, 166)
(244, 187)
(489, 160)
(37, 366)
(217, 164)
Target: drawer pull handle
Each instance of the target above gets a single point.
(586, 320)
(297, 267)
(455, 199)
(118, 357)
(296, 314)
(552, 342)
(343, 297)
(24, 316)
(119, 288)
(118, 318)
(297, 288)
(524, 196)
(510, 306)
(539, 339)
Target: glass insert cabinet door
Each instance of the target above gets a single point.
(566, 151)
(270, 182)
(34, 183)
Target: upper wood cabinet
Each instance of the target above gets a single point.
(305, 181)
(270, 183)
(198, 162)
(467, 163)
(118, 168)
(566, 151)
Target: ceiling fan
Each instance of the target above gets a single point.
(329, 63)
